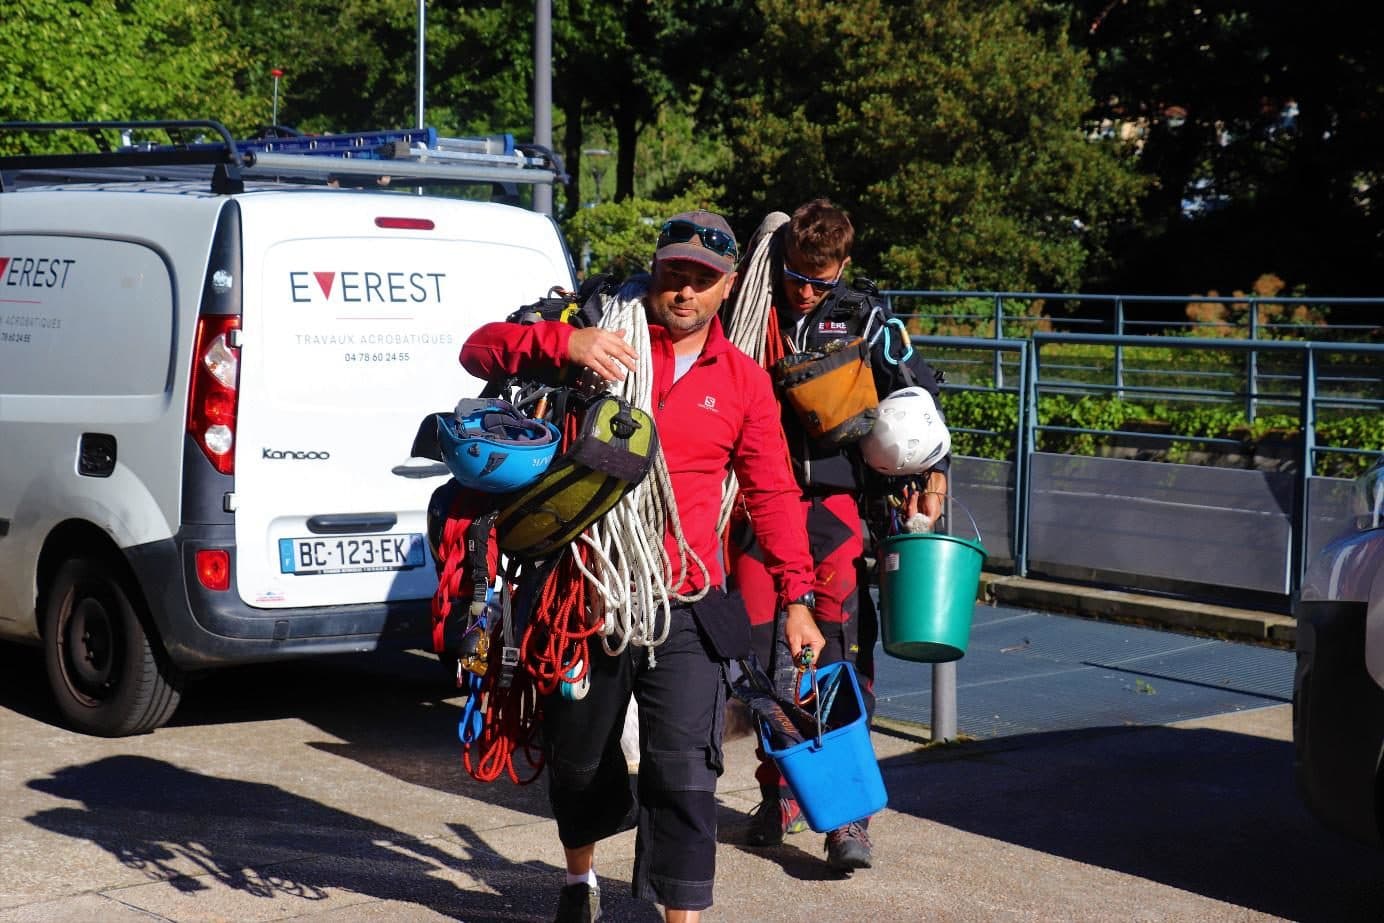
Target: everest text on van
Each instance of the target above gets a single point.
(369, 287)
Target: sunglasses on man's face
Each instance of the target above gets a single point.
(714, 239)
(818, 285)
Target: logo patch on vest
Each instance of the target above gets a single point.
(833, 326)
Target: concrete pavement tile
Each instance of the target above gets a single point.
(83, 908)
(380, 912)
(397, 881)
(84, 863)
(538, 846)
(359, 871)
(930, 871)
(1274, 722)
(247, 812)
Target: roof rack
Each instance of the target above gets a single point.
(407, 156)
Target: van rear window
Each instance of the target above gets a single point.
(83, 316)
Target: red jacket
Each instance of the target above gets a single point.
(722, 413)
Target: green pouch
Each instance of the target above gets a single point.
(612, 454)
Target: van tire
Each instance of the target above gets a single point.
(104, 672)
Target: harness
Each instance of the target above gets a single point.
(859, 310)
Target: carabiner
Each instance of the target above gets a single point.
(806, 664)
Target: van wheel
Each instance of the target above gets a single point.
(104, 672)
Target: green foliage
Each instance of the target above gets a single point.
(673, 155)
(1269, 118)
(980, 144)
(103, 60)
(352, 65)
(1171, 368)
(996, 415)
(1353, 431)
(619, 237)
(622, 63)
(951, 130)
(1086, 413)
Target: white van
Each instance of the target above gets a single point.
(209, 386)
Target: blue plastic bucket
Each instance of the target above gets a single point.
(835, 777)
(927, 594)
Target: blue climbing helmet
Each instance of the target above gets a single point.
(490, 446)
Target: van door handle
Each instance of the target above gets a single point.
(344, 523)
(432, 470)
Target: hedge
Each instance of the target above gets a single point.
(983, 425)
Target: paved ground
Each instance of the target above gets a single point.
(330, 790)
(1027, 671)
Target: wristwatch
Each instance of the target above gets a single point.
(808, 599)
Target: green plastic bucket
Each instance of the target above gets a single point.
(928, 586)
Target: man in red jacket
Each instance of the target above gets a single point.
(715, 412)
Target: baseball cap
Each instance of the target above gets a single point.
(698, 236)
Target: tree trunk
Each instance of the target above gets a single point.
(627, 137)
(571, 149)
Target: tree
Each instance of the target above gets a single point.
(629, 65)
(951, 129)
(353, 64)
(99, 60)
(1260, 125)
(628, 61)
(619, 237)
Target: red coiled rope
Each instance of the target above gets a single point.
(509, 726)
(556, 647)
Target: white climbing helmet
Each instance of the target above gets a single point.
(909, 436)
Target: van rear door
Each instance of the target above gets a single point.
(356, 306)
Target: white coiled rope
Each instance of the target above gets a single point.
(748, 325)
(629, 567)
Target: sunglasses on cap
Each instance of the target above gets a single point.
(818, 285)
(713, 239)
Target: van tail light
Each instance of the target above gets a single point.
(213, 397)
(214, 568)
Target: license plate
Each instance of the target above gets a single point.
(348, 554)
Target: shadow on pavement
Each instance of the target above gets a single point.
(189, 829)
(392, 711)
(618, 905)
(1207, 811)
(23, 686)
(801, 856)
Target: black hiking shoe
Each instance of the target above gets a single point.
(774, 816)
(848, 848)
(579, 903)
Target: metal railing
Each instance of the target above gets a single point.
(1114, 316)
(1016, 367)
